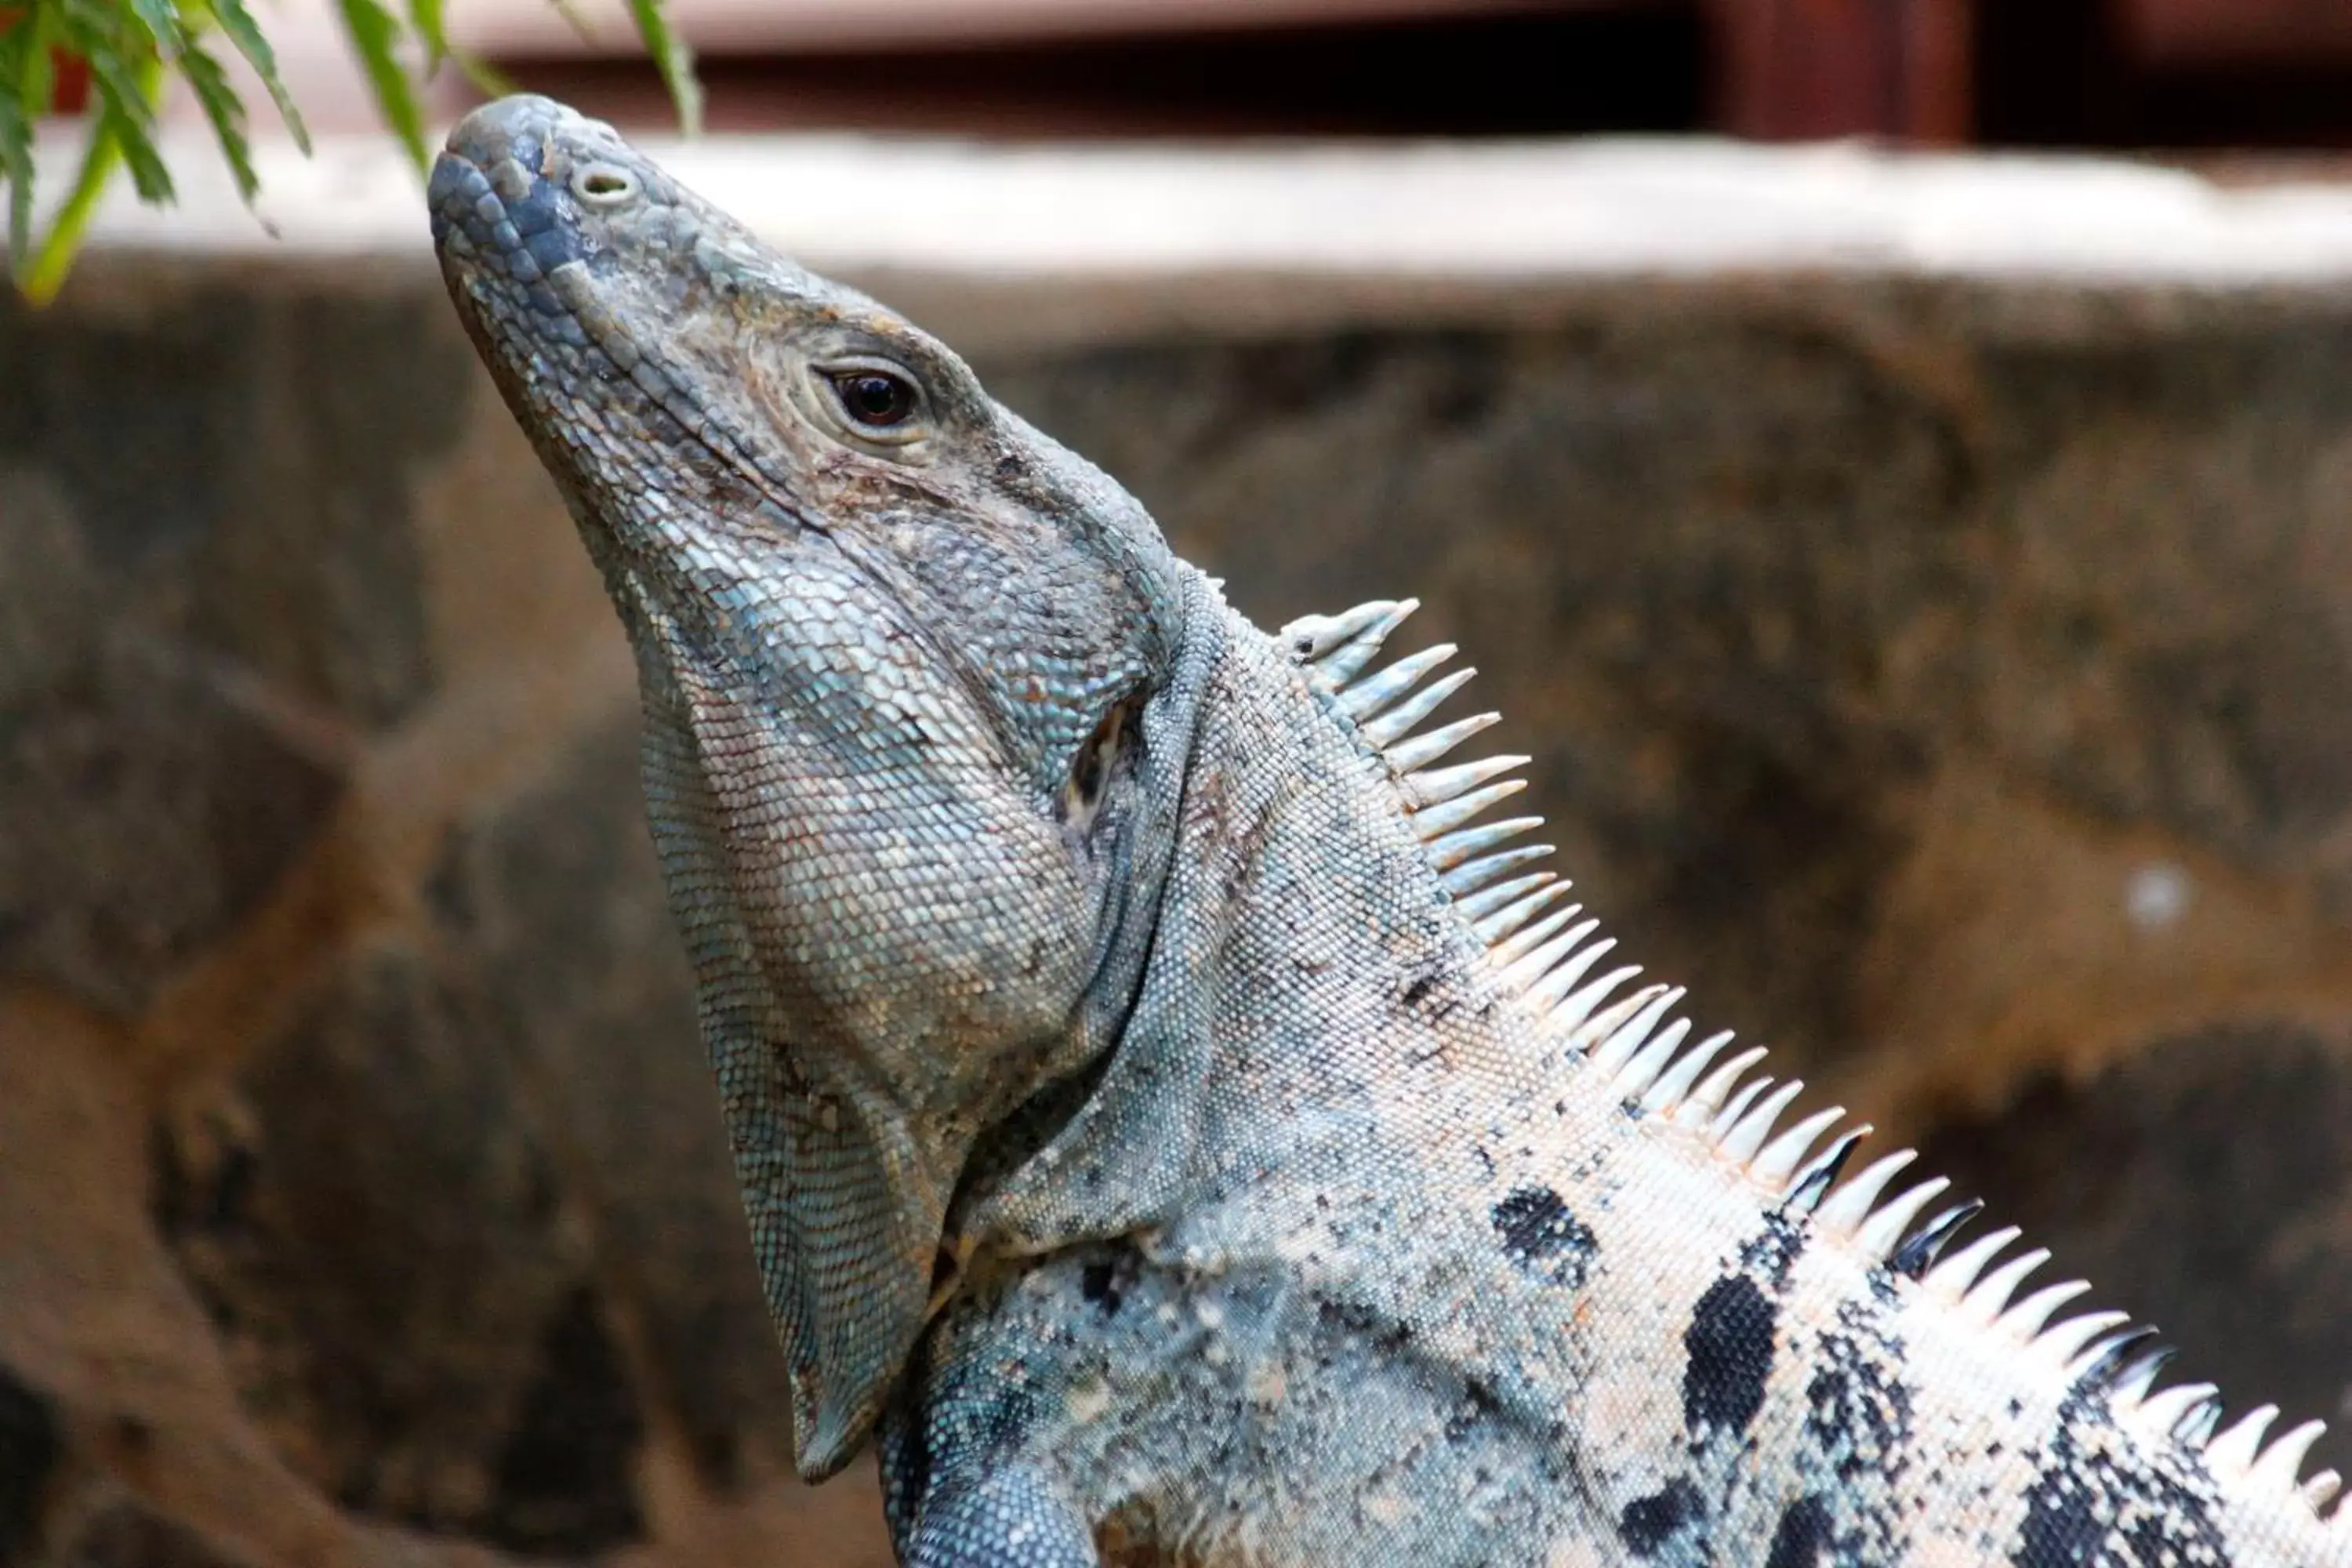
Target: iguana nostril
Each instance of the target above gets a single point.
(603, 185)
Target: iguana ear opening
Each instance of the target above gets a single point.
(1098, 757)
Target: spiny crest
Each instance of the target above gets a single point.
(1543, 953)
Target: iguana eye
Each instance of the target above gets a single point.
(875, 398)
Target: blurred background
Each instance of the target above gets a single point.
(2128, 74)
(1890, 460)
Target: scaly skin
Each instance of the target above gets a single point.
(1158, 1121)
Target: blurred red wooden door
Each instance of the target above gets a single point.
(1789, 69)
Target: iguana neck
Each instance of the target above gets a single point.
(1299, 911)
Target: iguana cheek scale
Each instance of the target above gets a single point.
(1174, 1119)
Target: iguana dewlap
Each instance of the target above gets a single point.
(1170, 1112)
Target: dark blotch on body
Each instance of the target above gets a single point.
(1428, 994)
(1773, 1252)
(1543, 1239)
(1649, 1522)
(1354, 1320)
(1100, 1283)
(1860, 1419)
(1106, 1280)
(2085, 1507)
(1478, 1405)
(1856, 1451)
(1729, 1343)
(1803, 1539)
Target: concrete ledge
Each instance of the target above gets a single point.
(1603, 207)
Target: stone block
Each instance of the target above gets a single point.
(122, 1532)
(379, 1224)
(2203, 1183)
(554, 896)
(148, 808)
(239, 463)
(209, 594)
(31, 1446)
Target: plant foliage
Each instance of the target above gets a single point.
(129, 49)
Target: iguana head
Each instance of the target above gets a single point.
(906, 670)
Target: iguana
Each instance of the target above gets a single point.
(1171, 1122)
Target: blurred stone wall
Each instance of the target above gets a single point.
(1952, 681)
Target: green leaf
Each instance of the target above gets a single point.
(16, 165)
(573, 18)
(675, 60)
(26, 70)
(238, 24)
(226, 111)
(374, 33)
(162, 27)
(39, 281)
(430, 19)
(126, 96)
(84, 24)
(30, 69)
